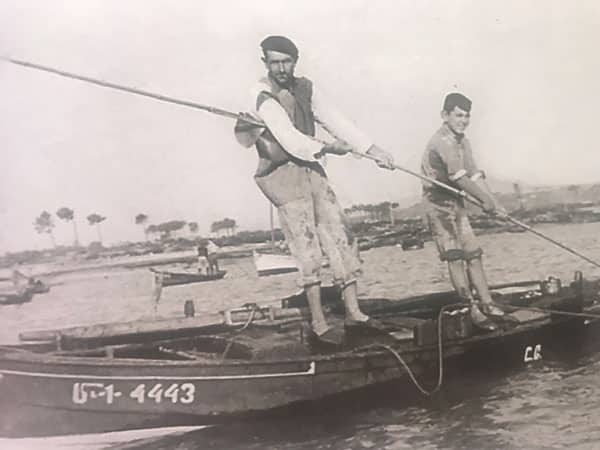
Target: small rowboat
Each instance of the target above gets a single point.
(259, 360)
(273, 263)
(39, 287)
(15, 298)
(177, 278)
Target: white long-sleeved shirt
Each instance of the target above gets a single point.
(294, 141)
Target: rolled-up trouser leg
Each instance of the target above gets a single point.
(289, 189)
(444, 227)
(298, 226)
(333, 238)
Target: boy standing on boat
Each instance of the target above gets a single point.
(448, 158)
(291, 177)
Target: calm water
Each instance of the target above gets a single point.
(553, 404)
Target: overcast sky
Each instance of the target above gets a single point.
(530, 67)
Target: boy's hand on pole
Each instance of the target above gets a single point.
(384, 159)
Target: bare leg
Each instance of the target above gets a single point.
(461, 283)
(350, 296)
(318, 322)
(477, 276)
(459, 279)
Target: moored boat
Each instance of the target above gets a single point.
(176, 278)
(256, 359)
(273, 263)
(15, 298)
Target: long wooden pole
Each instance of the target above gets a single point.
(258, 123)
(479, 203)
(131, 90)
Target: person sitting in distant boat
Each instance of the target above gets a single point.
(212, 256)
(203, 264)
(290, 175)
(448, 158)
(21, 282)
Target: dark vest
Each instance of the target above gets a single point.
(297, 102)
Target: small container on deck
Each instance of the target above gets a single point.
(551, 286)
(456, 324)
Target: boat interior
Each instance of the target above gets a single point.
(259, 333)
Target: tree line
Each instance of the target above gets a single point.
(45, 224)
(373, 211)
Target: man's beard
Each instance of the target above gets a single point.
(282, 81)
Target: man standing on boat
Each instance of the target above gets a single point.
(448, 158)
(203, 264)
(291, 177)
(212, 255)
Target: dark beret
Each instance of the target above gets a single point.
(280, 44)
(456, 99)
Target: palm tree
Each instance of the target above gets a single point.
(230, 225)
(45, 224)
(95, 219)
(68, 215)
(193, 226)
(142, 219)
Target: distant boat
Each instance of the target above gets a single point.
(273, 263)
(39, 287)
(412, 243)
(15, 298)
(177, 278)
(23, 283)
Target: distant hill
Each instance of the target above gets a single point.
(505, 187)
(531, 197)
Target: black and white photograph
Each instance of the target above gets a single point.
(341, 225)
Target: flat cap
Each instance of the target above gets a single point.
(280, 44)
(456, 99)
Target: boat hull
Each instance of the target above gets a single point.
(99, 395)
(15, 298)
(273, 264)
(179, 278)
(111, 378)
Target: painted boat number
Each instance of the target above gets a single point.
(175, 393)
(532, 353)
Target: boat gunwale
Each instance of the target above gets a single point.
(19, 355)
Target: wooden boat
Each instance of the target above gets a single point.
(23, 283)
(259, 360)
(273, 263)
(412, 243)
(177, 278)
(39, 287)
(14, 298)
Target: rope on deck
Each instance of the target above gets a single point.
(403, 363)
(440, 347)
(255, 308)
